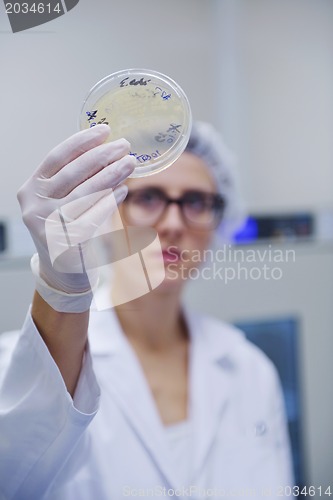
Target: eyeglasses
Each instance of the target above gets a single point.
(200, 210)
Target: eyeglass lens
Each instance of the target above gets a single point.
(146, 206)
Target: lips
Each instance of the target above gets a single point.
(171, 255)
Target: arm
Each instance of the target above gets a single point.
(65, 335)
(48, 390)
(41, 425)
(64, 204)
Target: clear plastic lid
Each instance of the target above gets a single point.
(147, 108)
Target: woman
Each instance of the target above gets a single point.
(160, 401)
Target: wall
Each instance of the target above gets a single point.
(276, 99)
(46, 72)
(261, 70)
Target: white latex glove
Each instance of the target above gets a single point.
(64, 203)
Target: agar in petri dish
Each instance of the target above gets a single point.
(148, 109)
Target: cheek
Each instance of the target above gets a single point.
(202, 240)
(194, 247)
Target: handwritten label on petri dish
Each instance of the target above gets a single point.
(148, 112)
(145, 157)
(149, 118)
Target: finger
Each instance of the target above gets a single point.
(86, 167)
(73, 210)
(83, 218)
(103, 208)
(78, 222)
(72, 148)
(108, 178)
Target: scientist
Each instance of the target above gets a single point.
(145, 399)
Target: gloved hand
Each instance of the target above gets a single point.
(63, 205)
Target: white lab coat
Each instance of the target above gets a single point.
(109, 443)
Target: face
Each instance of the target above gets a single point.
(181, 243)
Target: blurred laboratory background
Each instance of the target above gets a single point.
(262, 72)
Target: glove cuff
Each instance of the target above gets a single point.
(60, 301)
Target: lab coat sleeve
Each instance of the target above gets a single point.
(285, 473)
(40, 422)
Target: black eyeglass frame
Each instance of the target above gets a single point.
(216, 200)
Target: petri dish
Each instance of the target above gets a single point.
(149, 109)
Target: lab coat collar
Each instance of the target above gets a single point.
(213, 363)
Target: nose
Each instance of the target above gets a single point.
(171, 220)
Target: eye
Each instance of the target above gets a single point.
(147, 198)
(196, 201)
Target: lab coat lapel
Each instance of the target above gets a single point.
(128, 386)
(212, 370)
(211, 378)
